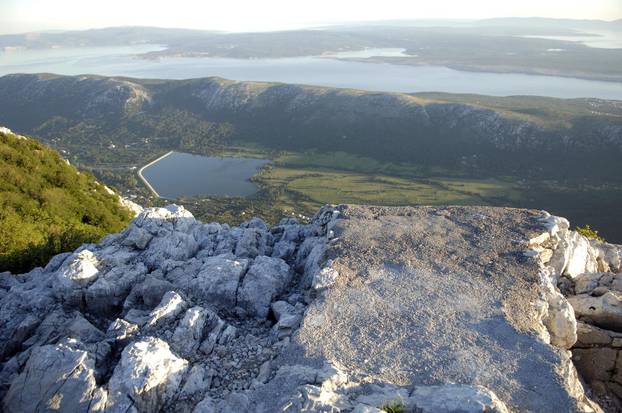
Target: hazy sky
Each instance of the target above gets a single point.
(249, 15)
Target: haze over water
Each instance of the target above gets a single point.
(321, 71)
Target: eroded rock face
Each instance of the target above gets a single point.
(146, 378)
(57, 377)
(588, 272)
(361, 307)
(160, 316)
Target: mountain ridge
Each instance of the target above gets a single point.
(273, 114)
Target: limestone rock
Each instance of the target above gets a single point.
(589, 335)
(265, 280)
(170, 307)
(189, 332)
(138, 238)
(56, 378)
(252, 242)
(604, 311)
(120, 330)
(595, 363)
(217, 281)
(146, 377)
(197, 381)
(453, 398)
(357, 308)
(110, 290)
(77, 272)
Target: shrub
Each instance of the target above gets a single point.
(590, 233)
(47, 206)
(393, 407)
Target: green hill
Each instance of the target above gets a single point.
(47, 206)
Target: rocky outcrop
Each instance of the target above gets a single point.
(429, 309)
(589, 318)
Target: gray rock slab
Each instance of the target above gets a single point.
(429, 296)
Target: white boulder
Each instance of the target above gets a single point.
(146, 377)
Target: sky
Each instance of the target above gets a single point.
(18, 16)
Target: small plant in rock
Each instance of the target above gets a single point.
(394, 406)
(590, 233)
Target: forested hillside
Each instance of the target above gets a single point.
(336, 145)
(47, 206)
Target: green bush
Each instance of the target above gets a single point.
(590, 233)
(47, 206)
(393, 407)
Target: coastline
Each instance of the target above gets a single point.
(142, 178)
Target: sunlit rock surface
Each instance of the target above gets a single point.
(434, 309)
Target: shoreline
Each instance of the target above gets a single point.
(142, 178)
(462, 67)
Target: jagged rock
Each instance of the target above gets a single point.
(137, 317)
(170, 307)
(233, 403)
(138, 238)
(589, 335)
(215, 326)
(51, 329)
(264, 281)
(264, 372)
(189, 332)
(252, 242)
(603, 311)
(120, 330)
(16, 333)
(198, 381)
(451, 398)
(228, 334)
(56, 378)
(177, 246)
(363, 408)
(76, 273)
(217, 281)
(146, 377)
(324, 316)
(560, 318)
(324, 277)
(150, 291)
(206, 405)
(595, 364)
(56, 262)
(379, 396)
(585, 283)
(281, 308)
(109, 291)
(82, 329)
(284, 250)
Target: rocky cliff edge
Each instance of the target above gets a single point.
(457, 309)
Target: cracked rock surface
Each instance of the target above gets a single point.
(589, 274)
(433, 309)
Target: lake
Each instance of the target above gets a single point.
(318, 70)
(179, 174)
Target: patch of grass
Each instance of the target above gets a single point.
(394, 406)
(321, 186)
(590, 233)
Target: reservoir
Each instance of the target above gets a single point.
(178, 175)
